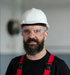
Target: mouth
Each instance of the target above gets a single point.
(32, 42)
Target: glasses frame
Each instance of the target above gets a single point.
(33, 33)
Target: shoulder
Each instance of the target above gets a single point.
(60, 66)
(58, 60)
(16, 59)
(13, 65)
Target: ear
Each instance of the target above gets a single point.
(46, 35)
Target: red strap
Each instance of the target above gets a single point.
(19, 71)
(50, 60)
(21, 60)
(46, 72)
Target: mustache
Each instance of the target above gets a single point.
(30, 40)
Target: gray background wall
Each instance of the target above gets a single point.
(58, 41)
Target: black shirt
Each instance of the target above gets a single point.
(36, 67)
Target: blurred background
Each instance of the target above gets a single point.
(58, 41)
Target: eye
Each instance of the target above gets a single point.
(26, 31)
(37, 30)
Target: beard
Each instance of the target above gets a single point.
(33, 49)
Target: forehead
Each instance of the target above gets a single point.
(27, 27)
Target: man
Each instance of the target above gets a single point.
(37, 60)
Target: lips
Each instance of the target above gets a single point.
(32, 42)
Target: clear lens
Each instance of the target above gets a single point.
(36, 32)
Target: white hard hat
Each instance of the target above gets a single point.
(34, 16)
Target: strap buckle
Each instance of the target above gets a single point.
(48, 66)
(20, 66)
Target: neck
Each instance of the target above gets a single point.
(37, 56)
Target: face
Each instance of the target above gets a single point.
(34, 42)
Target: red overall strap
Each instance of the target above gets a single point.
(21, 60)
(19, 70)
(46, 71)
(49, 63)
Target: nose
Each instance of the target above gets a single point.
(31, 35)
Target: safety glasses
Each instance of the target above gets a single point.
(36, 32)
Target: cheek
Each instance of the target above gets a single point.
(25, 39)
(41, 38)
